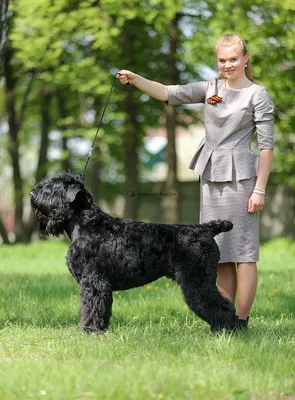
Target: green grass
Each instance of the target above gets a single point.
(155, 347)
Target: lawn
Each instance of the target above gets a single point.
(156, 348)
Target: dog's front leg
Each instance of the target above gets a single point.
(96, 303)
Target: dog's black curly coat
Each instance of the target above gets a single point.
(108, 254)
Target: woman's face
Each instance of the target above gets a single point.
(231, 62)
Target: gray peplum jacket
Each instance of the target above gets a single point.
(225, 152)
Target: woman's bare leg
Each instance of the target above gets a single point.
(227, 280)
(247, 285)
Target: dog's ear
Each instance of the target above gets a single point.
(72, 193)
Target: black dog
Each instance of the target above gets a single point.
(108, 254)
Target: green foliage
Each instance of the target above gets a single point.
(155, 348)
(75, 49)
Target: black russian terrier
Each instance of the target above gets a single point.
(108, 254)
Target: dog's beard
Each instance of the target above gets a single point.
(42, 224)
(54, 227)
(51, 226)
(50, 222)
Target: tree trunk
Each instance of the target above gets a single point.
(131, 187)
(42, 165)
(131, 159)
(66, 163)
(3, 233)
(3, 30)
(13, 145)
(171, 203)
(93, 174)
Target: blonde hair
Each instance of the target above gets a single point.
(230, 39)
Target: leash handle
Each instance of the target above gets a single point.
(93, 143)
(118, 73)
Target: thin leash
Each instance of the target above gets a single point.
(93, 143)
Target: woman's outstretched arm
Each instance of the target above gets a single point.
(152, 88)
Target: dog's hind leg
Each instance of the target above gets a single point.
(206, 301)
(197, 274)
(96, 303)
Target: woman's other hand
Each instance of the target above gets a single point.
(256, 203)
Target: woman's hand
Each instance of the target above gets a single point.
(255, 203)
(152, 88)
(126, 76)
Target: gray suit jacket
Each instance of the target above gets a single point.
(226, 152)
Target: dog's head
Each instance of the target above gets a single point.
(57, 200)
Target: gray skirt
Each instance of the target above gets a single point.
(229, 200)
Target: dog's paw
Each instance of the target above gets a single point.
(224, 327)
(91, 329)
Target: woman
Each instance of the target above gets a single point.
(233, 179)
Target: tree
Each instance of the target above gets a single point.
(171, 203)
(3, 38)
(3, 29)
(19, 66)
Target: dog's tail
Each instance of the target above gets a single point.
(218, 226)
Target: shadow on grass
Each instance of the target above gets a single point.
(52, 301)
(42, 287)
(39, 301)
